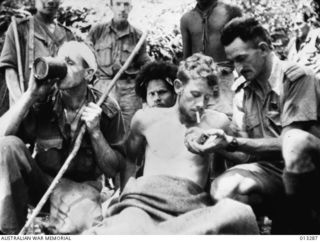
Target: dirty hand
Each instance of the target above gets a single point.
(194, 135)
(37, 90)
(91, 116)
(216, 139)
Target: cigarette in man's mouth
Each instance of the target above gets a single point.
(198, 116)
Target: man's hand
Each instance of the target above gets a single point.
(91, 116)
(206, 141)
(194, 136)
(36, 91)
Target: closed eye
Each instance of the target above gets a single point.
(240, 58)
(196, 94)
(69, 61)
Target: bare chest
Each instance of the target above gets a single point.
(166, 141)
(214, 24)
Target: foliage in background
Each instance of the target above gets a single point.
(161, 18)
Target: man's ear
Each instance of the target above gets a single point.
(264, 47)
(88, 74)
(178, 86)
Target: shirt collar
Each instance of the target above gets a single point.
(42, 32)
(277, 74)
(57, 101)
(122, 33)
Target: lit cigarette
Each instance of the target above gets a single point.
(198, 117)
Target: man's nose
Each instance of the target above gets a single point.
(122, 7)
(156, 97)
(238, 67)
(200, 103)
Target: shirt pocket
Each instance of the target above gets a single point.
(253, 126)
(126, 51)
(42, 46)
(104, 53)
(43, 145)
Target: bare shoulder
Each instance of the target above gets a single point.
(187, 17)
(232, 10)
(143, 118)
(214, 119)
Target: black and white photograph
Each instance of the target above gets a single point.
(159, 117)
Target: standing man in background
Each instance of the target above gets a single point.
(114, 42)
(39, 36)
(200, 29)
(304, 48)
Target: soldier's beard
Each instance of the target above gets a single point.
(121, 24)
(184, 115)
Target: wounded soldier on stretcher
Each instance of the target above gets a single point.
(171, 196)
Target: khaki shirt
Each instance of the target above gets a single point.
(113, 49)
(44, 44)
(47, 128)
(292, 96)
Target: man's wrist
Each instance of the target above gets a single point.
(95, 134)
(232, 144)
(30, 98)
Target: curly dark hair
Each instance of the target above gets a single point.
(247, 29)
(198, 66)
(155, 70)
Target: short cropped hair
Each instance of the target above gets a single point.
(85, 52)
(247, 29)
(198, 66)
(111, 2)
(155, 70)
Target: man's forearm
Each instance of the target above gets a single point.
(128, 171)
(249, 150)
(186, 39)
(109, 160)
(12, 81)
(263, 148)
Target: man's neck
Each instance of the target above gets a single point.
(120, 25)
(206, 6)
(183, 118)
(265, 75)
(73, 99)
(47, 19)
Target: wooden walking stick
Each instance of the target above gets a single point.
(18, 50)
(79, 138)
